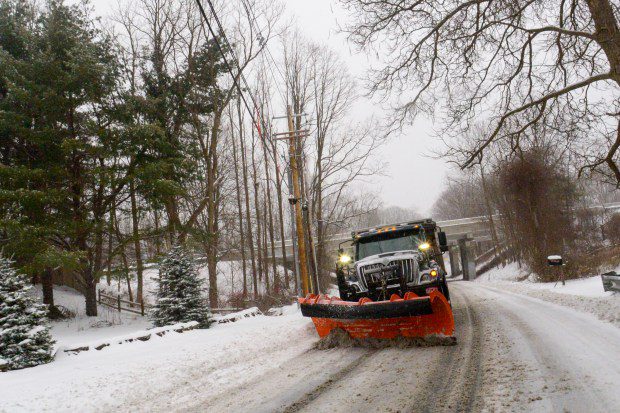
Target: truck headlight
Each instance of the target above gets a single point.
(424, 246)
(429, 276)
(344, 259)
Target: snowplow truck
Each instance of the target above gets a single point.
(396, 258)
(392, 282)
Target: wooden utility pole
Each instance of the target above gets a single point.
(301, 243)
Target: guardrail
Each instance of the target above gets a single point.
(611, 281)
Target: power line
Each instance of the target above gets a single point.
(221, 50)
(261, 121)
(254, 22)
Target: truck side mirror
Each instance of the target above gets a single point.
(443, 241)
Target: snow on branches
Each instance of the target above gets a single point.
(25, 340)
(179, 296)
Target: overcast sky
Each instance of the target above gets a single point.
(412, 178)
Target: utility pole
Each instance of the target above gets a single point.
(294, 238)
(292, 136)
(301, 239)
(311, 251)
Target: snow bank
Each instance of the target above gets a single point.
(604, 305)
(143, 335)
(582, 294)
(510, 272)
(75, 331)
(159, 375)
(239, 315)
(586, 287)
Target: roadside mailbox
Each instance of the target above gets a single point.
(554, 260)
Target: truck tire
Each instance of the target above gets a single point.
(444, 290)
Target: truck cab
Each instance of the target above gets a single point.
(393, 259)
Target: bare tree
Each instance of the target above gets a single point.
(337, 153)
(462, 198)
(515, 64)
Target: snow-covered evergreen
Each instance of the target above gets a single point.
(25, 340)
(179, 296)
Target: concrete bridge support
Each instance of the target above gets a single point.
(468, 258)
(453, 255)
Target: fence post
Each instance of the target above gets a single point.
(98, 296)
(142, 307)
(119, 302)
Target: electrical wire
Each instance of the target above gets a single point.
(254, 22)
(256, 123)
(226, 63)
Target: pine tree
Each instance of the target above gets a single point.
(63, 140)
(179, 296)
(25, 339)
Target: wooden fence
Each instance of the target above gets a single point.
(120, 304)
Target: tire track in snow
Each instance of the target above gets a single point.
(454, 381)
(286, 383)
(416, 379)
(327, 384)
(569, 351)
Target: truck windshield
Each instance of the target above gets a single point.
(389, 242)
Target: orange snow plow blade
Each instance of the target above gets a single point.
(412, 316)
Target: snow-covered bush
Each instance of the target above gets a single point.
(25, 340)
(179, 296)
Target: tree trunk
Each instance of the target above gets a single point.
(108, 276)
(48, 294)
(47, 287)
(157, 234)
(281, 216)
(126, 272)
(212, 212)
(136, 240)
(240, 218)
(258, 216)
(269, 212)
(247, 200)
(265, 257)
(90, 291)
(607, 33)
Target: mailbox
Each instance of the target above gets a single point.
(554, 260)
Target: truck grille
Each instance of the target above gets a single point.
(371, 278)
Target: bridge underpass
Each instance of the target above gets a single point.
(469, 239)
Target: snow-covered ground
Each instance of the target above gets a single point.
(265, 363)
(81, 329)
(229, 280)
(510, 272)
(582, 294)
(163, 373)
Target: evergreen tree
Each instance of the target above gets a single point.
(64, 143)
(25, 340)
(179, 296)
(32, 205)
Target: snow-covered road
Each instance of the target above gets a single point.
(514, 353)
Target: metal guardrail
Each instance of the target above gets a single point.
(611, 281)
